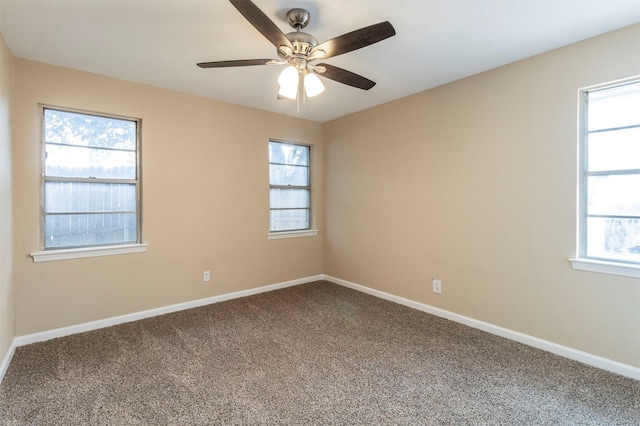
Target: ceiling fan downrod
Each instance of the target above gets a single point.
(301, 42)
(298, 18)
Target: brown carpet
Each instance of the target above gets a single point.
(316, 354)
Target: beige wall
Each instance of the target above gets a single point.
(474, 183)
(7, 330)
(205, 202)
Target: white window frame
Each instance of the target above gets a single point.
(308, 232)
(55, 253)
(582, 261)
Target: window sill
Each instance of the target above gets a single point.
(292, 234)
(78, 253)
(613, 268)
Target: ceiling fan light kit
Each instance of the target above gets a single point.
(298, 50)
(290, 79)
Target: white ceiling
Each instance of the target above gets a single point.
(158, 42)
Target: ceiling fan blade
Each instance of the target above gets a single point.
(356, 39)
(261, 22)
(239, 63)
(346, 77)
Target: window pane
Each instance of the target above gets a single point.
(289, 220)
(616, 239)
(615, 150)
(614, 195)
(288, 175)
(78, 197)
(89, 130)
(615, 107)
(76, 230)
(289, 198)
(70, 161)
(284, 153)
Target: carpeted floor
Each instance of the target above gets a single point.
(316, 354)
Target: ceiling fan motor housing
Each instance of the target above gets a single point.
(302, 42)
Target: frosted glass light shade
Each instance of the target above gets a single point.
(288, 81)
(289, 92)
(312, 85)
(288, 77)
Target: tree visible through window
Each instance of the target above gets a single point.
(610, 178)
(91, 188)
(290, 190)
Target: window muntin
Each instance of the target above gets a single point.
(610, 173)
(91, 185)
(289, 187)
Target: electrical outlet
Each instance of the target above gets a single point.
(437, 286)
(206, 276)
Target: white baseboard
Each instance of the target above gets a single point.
(108, 322)
(564, 351)
(7, 359)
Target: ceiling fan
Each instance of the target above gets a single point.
(298, 50)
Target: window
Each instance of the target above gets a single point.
(289, 187)
(609, 199)
(91, 180)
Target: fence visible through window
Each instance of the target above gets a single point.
(91, 186)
